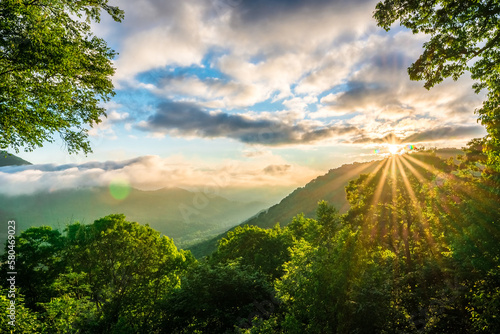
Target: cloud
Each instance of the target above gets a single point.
(182, 33)
(153, 172)
(276, 169)
(210, 91)
(426, 136)
(105, 128)
(381, 86)
(444, 133)
(188, 119)
(389, 138)
(161, 33)
(277, 72)
(255, 153)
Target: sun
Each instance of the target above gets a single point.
(393, 149)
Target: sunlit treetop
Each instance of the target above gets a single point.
(54, 72)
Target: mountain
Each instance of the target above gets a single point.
(183, 215)
(329, 187)
(7, 159)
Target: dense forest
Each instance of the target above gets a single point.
(417, 251)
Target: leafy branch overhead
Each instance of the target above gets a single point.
(54, 72)
(465, 36)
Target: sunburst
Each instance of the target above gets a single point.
(394, 149)
(407, 176)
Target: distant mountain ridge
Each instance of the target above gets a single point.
(195, 220)
(329, 187)
(7, 159)
(177, 213)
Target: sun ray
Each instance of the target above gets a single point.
(356, 172)
(394, 179)
(459, 189)
(412, 169)
(425, 166)
(415, 201)
(376, 196)
(373, 173)
(380, 185)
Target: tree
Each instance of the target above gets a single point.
(53, 71)
(465, 36)
(26, 320)
(215, 299)
(40, 259)
(71, 311)
(128, 267)
(315, 288)
(264, 250)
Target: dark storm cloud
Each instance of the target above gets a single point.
(188, 119)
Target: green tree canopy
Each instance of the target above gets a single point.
(53, 71)
(264, 250)
(465, 36)
(40, 259)
(215, 299)
(128, 268)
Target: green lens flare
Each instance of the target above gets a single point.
(119, 189)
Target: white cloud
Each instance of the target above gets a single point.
(105, 130)
(158, 34)
(153, 172)
(284, 52)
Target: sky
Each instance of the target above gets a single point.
(259, 94)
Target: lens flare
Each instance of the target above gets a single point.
(119, 189)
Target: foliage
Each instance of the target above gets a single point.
(40, 259)
(315, 286)
(215, 299)
(53, 71)
(418, 252)
(26, 320)
(464, 37)
(106, 277)
(128, 268)
(264, 250)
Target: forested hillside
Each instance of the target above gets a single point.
(329, 187)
